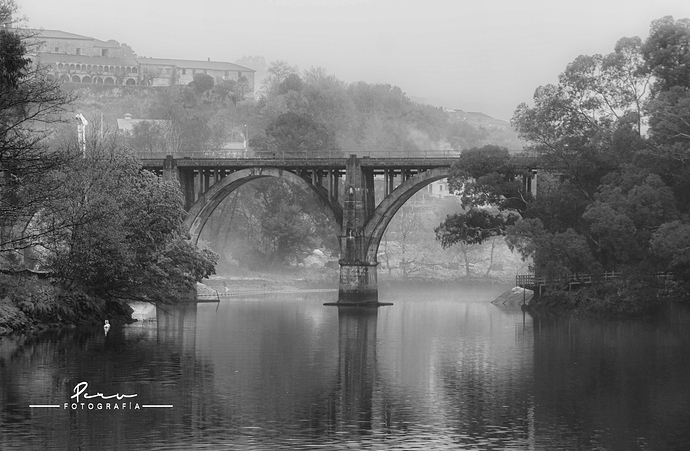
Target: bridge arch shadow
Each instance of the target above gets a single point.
(206, 204)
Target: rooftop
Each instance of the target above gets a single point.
(58, 34)
(84, 59)
(193, 64)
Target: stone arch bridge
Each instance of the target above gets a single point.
(343, 187)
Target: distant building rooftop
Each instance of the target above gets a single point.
(127, 124)
(70, 58)
(58, 34)
(193, 64)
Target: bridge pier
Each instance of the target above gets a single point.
(358, 284)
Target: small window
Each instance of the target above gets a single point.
(57, 49)
(104, 52)
(167, 71)
(78, 51)
(227, 73)
(184, 71)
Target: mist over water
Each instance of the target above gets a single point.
(440, 369)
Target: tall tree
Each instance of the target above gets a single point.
(126, 237)
(29, 105)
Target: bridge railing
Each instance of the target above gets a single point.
(532, 281)
(289, 155)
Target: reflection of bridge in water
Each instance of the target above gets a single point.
(343, 187)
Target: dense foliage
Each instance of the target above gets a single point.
(29, 106)
(127, 238)
(613, 137)
(90, 220)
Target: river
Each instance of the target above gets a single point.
(437, 370)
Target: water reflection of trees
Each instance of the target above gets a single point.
(45, 368)
(613, 385)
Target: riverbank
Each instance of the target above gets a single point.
(615, 299)
(29, 304)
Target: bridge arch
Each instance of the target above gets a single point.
(384, 212)
(202, 209)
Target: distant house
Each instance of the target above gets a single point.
(127, 124)
(476, 119)
(91, 69)
(81, 59)
(56, 41)
(438, 188)
(169, 72)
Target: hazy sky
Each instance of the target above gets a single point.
(479, 55)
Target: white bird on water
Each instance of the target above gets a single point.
(106, 327)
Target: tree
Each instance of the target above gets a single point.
(126, 238)
(127, 51)
(29, 105)
(484, 177)
(293, 133)
(150, 137)
(202, 83)
(667, 53)
(278, 72)
(275, 225)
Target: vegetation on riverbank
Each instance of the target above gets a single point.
(28, 303)
(612, 144)
(622, 298)
(80, 213)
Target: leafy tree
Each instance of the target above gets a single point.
(29, 106)
(202, 83)
(271, 223)
(667, 53)
(484, 177)
(278, 72)
(150, 137)
(127, 239)
(291, 132)
(127, 51)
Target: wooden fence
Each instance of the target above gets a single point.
(532, 282)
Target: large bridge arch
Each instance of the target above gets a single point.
(384, 212)
(203, 208)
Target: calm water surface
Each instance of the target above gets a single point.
(435, 371)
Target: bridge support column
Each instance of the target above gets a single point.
(184, 177)
(358, 284)
(187, 185)
(358, 277)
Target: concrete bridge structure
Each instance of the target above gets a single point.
(343, 187)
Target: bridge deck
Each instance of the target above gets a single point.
(304, 163)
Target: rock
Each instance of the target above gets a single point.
(514, 297)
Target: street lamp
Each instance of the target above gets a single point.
(246, 140)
